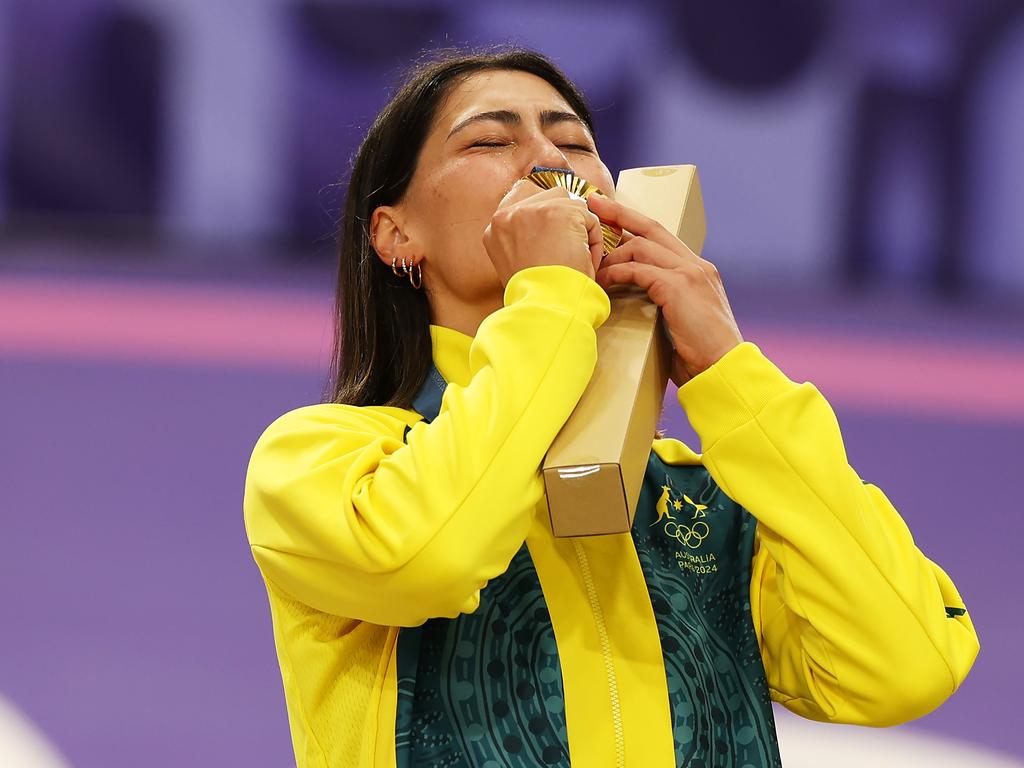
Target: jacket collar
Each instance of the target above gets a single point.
(451, 364)
(451, 354)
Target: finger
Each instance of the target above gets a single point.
(642, 250)
(626, 237)
(645, 276)
(595, 237)
(591, 225)
(521, 190)
(614, 212)
(525, 189)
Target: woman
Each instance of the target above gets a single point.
(424, 615)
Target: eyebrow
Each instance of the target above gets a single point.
(548, 118)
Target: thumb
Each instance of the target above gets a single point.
(595, 239)
(522, 189)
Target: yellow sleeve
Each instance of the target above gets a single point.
(850, 615)
(346, 518)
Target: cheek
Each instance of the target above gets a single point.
(468, 189)
(452, 206)
(607, 184)
(597, 173)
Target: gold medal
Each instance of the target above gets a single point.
(580, 189)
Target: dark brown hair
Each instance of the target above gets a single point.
(382, 348)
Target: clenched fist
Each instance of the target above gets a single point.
(533, 227)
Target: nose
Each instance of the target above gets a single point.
(550, 156)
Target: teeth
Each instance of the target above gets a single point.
(579, 189)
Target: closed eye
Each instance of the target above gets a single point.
(575, 147)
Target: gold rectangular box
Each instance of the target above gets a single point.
(595, 466)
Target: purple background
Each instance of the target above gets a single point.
(858, 161)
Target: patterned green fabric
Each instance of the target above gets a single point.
(695, 547)
(484, 690)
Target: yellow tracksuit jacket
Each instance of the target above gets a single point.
(368, 522)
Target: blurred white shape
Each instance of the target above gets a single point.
(227, 117)
(806, 744)
(994, 232)
(771, 166)
(22, 744)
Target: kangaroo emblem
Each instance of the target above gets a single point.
(661, 507)
(666, 505)
(698, 509)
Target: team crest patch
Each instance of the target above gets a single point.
(686, 521)
(682, 518)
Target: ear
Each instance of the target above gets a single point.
(388, 235)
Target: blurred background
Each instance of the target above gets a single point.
(170, 176)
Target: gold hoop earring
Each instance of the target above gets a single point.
(394, 267)
(416, 270)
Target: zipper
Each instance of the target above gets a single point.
(606, 652)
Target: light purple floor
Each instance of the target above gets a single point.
(134, 626)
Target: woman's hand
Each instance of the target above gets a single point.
(686, 287)
(534, 227)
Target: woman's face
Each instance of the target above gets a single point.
(490, 131)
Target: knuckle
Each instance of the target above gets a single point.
(518, 216)
(690, 273)
(555, 213)
(642, 251)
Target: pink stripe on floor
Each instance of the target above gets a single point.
(127, 321)
(923, 376)
(130, 321)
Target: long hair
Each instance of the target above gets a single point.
(382, 347)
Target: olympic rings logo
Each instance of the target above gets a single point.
(691, 536)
